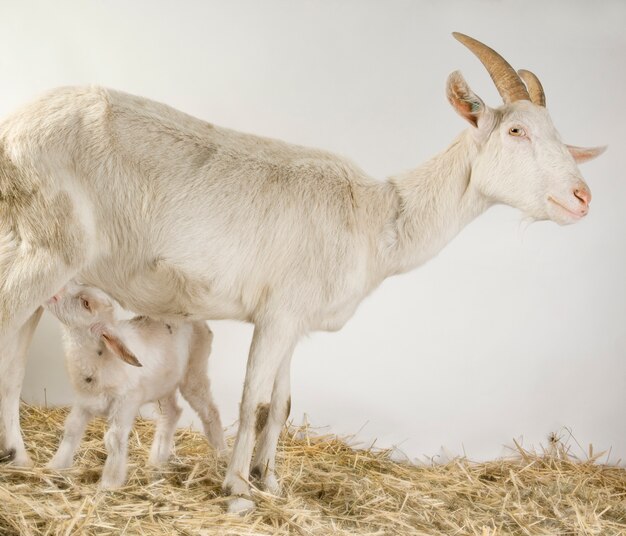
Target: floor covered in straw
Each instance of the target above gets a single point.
(328, 488)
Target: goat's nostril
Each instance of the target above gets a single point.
(583, 195)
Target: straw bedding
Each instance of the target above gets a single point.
(328, 488)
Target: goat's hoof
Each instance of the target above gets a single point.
(21, 459)
(220, 448)
(240, 505)
(222, 454)
(270, 484)
(158, 461)
(57, 465)
(109, 484)
(7, 455)
(267, 481)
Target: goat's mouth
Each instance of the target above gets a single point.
(572, 215)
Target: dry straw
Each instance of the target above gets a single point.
(328, 488)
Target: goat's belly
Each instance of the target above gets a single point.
(168, 305)
(97, 403)
(162, 292)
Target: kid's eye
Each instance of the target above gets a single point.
(517, 131)
(85, 303)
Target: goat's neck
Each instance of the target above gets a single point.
(434, 202)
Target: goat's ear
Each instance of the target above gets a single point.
(116, 346)
(584, 154)
(467, 104)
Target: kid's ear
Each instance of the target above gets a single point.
(119, 349)
(584, 154)
(467, 104)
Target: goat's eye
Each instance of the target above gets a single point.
(85, 303)
(517, 131)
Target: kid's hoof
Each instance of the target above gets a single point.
(110, 484)
(56, 466)
(158, 462)
(59, 463)
(240, 505)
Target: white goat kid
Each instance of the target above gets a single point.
(100, 349)
(177, 218)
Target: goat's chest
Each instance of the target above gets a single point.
(334, 313)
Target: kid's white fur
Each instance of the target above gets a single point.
(167, 358)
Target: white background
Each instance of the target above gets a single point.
(513, 331)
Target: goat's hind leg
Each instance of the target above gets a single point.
(196, 387)
(165, 429)
(30, 273)
(12, 365)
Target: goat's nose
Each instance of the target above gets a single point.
(583, 194)
(57, 297)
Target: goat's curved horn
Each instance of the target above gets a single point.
(535, 89)
(507, 81)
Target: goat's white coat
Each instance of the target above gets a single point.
(237, 226)
(171, 357)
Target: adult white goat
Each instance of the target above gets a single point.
(177, 218)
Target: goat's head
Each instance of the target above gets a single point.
(92, 311)
(80, 306)
(522, 161)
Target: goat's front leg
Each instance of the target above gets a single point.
(263, 466)
(73, 432)
(272, 343)
(165, 428)
(121, 418)
(12, 365)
